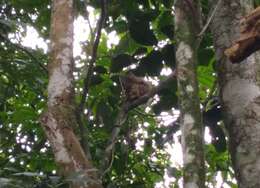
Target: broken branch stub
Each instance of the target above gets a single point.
(249, 40)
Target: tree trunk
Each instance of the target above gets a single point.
(59, 120)
(239, 93)
(188, 24)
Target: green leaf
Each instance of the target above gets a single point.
(140, 51)
(141, 32)
(96, 79)
(257, 3)
(205, 56)
(166, 103)
(23, 114)
(104, 111)
(120, 26)
(144, 2)
(168, 53)
(126, 45)
(100, 69)
(151, 64)
(114, 10)
(121, 61)
(168, 30)
(168, 3)
(165, 24)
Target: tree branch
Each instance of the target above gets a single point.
(122, 116)
(249, 39)
(209, 19)
(87, 79)
(99, 27)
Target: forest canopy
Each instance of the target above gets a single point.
(123, 103)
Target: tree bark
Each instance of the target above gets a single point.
(59, 120)
(239, 93)
(188, 24)
(249, 40)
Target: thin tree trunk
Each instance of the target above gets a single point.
(239, 93)
(188, 24)
(59, 120)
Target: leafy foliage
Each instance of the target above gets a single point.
(146, 47)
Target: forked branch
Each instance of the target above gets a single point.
(122, 116)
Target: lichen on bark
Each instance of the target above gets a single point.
(59, 119)
(187, 26)
(239, 93)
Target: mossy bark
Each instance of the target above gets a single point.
(188, 26)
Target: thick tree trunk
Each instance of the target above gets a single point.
(59, 120)
(188, 24)
(239, 93)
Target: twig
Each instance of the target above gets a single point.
(209, 19)
(144, 114)
(89, 25)
(86, 15)
(111, 162)
(122, 115)
(210, 95)
(87, 79)
(173, 128)
(94, 54)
